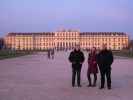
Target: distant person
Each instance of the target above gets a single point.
(105, 60)
(76, 57)
(52, 53)
(48, 51)
(92, 67)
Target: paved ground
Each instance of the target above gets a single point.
(34, 77)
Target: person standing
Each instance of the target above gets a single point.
(105, 60)
(92, 67)
(48, 51)
(52, 53)
(76, 57)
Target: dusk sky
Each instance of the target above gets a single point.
(51, 15)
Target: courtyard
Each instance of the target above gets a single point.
(35, 77)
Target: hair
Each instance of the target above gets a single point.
(94, 49)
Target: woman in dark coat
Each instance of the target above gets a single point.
(92, 67)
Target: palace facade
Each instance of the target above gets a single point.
(66, 40)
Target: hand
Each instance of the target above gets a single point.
(94, 62)
(73, 63)
(81, 63)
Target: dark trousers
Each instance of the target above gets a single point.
(107, 73)
(76, 72)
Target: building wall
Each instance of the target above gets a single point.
(43, 41)
(115, 41)
(66, 40)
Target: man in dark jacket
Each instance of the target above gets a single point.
(76, 57)
(105, 60)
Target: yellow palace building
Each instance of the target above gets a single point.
(66, 40)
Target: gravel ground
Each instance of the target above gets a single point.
(34, 77)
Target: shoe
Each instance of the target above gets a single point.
(94, 85)
(109, 88)
(101, 88)
(73, 85)
(89, 85)
(79, 86)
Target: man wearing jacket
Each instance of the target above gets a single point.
(76, 57)
(105, 60)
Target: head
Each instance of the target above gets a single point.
(77, 47)
(93, 49)
(104, 46)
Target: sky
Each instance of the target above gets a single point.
(52, 15)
